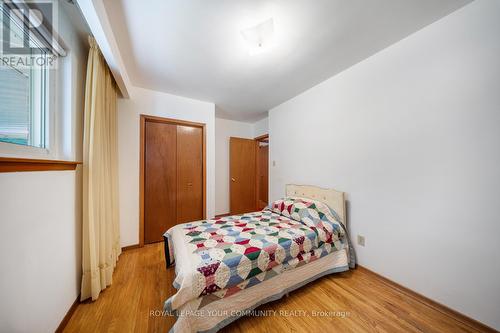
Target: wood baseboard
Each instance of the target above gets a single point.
(131, 247)
(68, 315)
(222, 215)
(431, 303)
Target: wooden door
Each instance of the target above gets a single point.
(242, 157)
(160, 179)
(189, 174)
(263, 176)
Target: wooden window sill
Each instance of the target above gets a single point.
(12, 164)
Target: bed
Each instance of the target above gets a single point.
(226, 267)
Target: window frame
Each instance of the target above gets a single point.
(48, 149)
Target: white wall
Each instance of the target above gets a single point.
(261, 127)
(149, 102)
(412, 135)
(40, 212)
(224, 129)
(40, 249)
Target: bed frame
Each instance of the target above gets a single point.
(333, 198)
(329, 264)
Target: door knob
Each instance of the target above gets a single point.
(190, 184)
(233, 180)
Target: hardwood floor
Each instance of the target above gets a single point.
(354, 301)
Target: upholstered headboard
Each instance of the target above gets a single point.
(331, 197)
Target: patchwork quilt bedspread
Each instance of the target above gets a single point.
(220, 257)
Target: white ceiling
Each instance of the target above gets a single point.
(194, 48)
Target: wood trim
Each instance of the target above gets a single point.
(143, 119)
(68, 315)
(262, 138)
(204, 170)
(141, 179)
(257, 172)
(10, 164)
(430, 303)
(222, 215)
(130, 247)
(172, 121)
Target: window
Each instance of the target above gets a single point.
(23, 117)
(23, 92)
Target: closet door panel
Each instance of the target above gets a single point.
(189, 173)
(160, 172)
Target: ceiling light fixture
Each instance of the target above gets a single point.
(259, 37)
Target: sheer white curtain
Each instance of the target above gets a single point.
(101, 234)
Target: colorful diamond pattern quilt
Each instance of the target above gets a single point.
(237, 252)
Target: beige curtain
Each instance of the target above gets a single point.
(101, 235)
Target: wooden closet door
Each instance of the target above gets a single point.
(189, 174)
(160, 179)
(243, 171)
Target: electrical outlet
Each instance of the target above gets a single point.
(361, 240)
